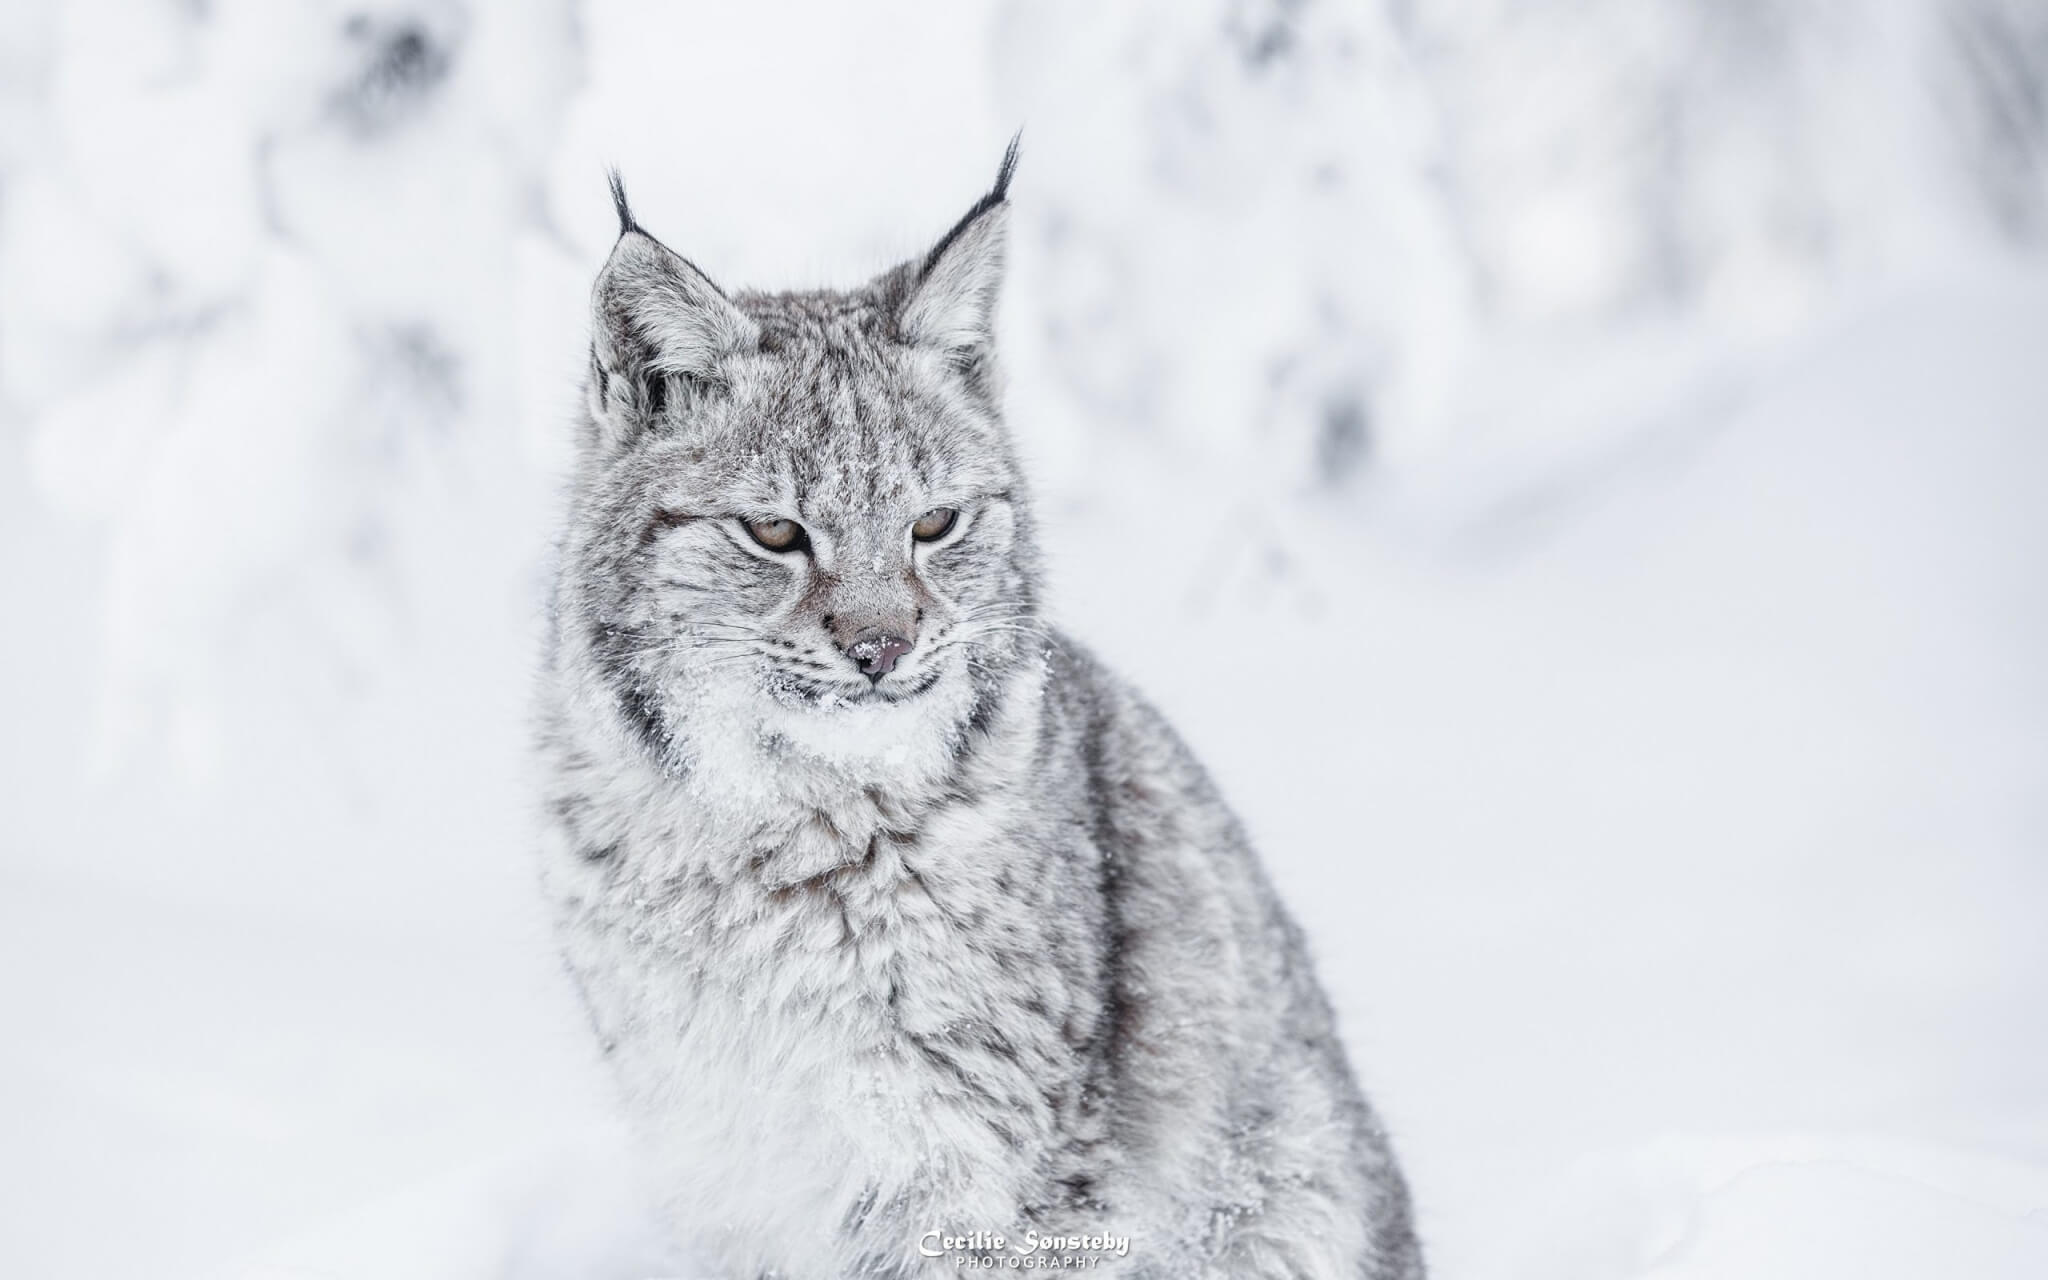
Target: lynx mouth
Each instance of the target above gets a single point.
(917, 689)
(815, 693)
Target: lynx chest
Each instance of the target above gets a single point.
(842, 1012)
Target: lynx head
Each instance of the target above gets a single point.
(798, 514)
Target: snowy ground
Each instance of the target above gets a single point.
(1616, 615)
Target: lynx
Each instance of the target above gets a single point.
(903, 924)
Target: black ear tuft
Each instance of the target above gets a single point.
(1001, 190)
(625, 210)
(996, 195)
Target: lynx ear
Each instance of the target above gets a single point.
(951, 305)
(658, 326)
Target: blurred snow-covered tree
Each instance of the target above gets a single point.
(256, 263)
(1299, 235)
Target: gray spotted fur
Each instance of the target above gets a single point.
(976, 949)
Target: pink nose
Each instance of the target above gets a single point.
(876, 654)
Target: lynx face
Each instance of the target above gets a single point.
(801, 510)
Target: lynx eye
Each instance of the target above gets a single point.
(934, 524)
(778, 535)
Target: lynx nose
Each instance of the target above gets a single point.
(875, 653)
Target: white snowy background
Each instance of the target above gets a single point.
(1577, 472)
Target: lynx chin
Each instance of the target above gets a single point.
(890, 906)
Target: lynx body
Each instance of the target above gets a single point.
(898, 917)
